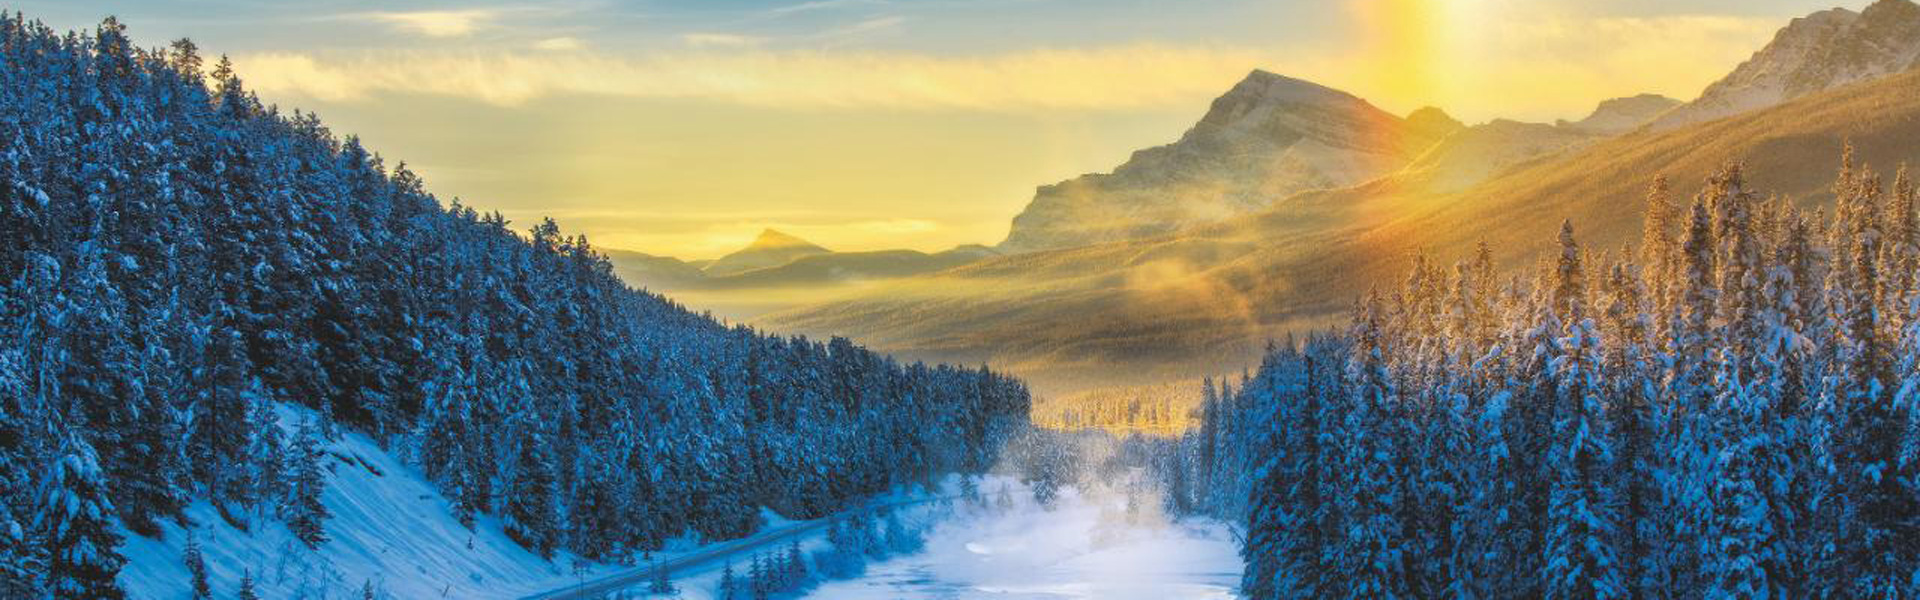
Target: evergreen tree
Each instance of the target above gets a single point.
(661, 582)
(246, 586)
(78, 529)
(1581, 560)
(729, 587)
(196, 563)
(529, 517)
(306, 515)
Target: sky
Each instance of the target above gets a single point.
(684, 128)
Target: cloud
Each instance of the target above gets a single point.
(435, 23)
(897, 226)
(559, 44)
(1534, 69)
(720, 40)
(1035, 79)
(866, 26)
(819, 5)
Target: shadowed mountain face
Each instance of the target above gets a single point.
(1821, 51)
(1183, 304)
(1270, 136)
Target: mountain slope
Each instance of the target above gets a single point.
(1620, 115)
(1268, 137)
(1179, 305)
(1818, 52)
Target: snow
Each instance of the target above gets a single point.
(392, 528)
(1085, 547)
(389, 526)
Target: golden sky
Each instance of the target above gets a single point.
(684, 128)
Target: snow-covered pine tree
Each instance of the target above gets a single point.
(1638, 424)
(1581, 561)
(1368, 558)
(76, 525)
(1878, 543)
(529, 517)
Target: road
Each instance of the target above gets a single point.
(639, 576)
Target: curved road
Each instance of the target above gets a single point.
(639, 576)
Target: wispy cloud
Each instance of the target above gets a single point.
(820, 5)
(435, 23)
(1034, 79)
(864, 26)
(705, 39)
(559, 44)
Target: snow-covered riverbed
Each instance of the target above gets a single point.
(1084, 547)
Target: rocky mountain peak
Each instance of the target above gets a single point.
(1820, 51)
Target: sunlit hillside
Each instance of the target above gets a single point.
(1181, 305)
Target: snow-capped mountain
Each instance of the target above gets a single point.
(1268, 137)
(1821, 51)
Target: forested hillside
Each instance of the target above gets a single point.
(1728, 411)
(176, 258)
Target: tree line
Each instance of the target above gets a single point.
(1726, 411)
(178, 258)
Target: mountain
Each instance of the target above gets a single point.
(1268, 137)
(1182, 304)
(1620, 115)
(770, 249)
(848, 267)
(1473, 154)
(643, 270)
(1821, 51)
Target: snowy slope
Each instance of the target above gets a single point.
(389, 526)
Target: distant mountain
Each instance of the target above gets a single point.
(1269, 137)
(848, 267)
(771, 249)
(1473, 154)
(643, 270)
(1620, 115)
(736, 292)
(1821, 51)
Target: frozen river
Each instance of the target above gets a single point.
(1082, 548)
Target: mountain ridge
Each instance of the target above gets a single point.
(1821, 51)
(1268, 136)
(1125, 311)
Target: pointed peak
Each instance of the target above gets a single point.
(774, 238)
